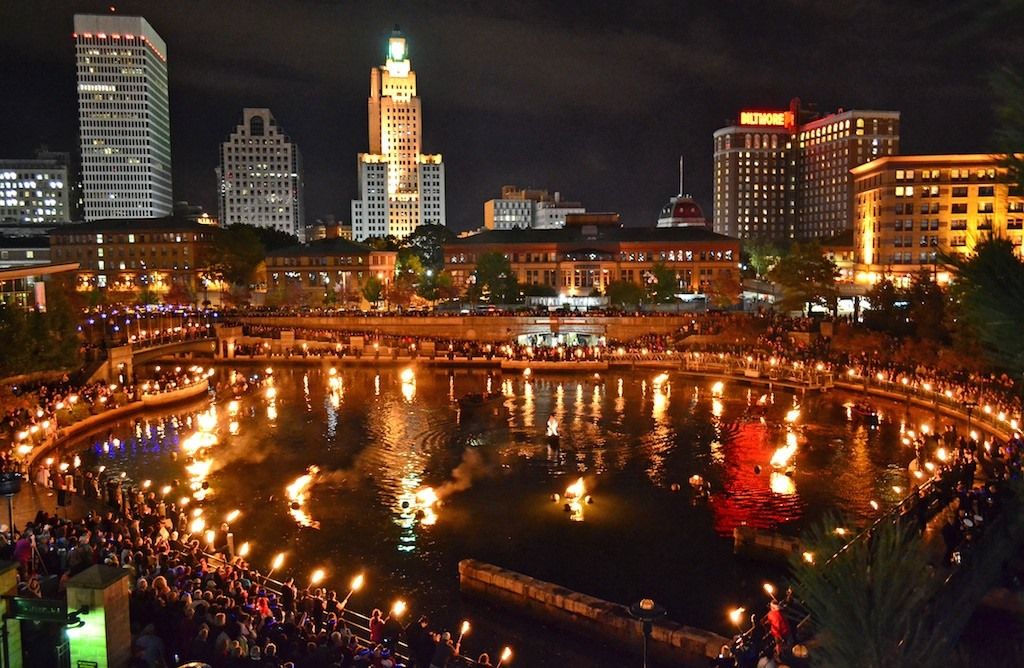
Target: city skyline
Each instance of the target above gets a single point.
(601, 103)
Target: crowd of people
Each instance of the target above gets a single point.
(188, 605)
(35, 412)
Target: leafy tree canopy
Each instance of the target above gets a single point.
(806, 276)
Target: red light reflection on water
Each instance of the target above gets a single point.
(761, 500)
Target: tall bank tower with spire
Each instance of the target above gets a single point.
(400, 188)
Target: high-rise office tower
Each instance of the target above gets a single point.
(400, 188)
(786, 174)
(123, 117)
(260, 176)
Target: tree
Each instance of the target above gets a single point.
(427, 243)
(926, 307)
(885, 314)
(147, 297)
(179, 293)
(402, 289)
(662, 284)
(1008, 86)
(989, 289)
(871, 602)
(494, 276)
(763, 255)
(237, 252)
(444, 283)
(724, 289)
(372, 289)
(624, 293)
(807, 277)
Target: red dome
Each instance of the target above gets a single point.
(681, 210)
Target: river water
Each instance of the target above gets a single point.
(378, 437)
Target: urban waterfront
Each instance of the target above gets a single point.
(380, 436)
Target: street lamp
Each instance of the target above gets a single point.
(970, 406)
(646, 610)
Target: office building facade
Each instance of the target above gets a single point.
(784, 174)
(35, 192)
(522, 208)
(400, 188)
(260, 176)
(124, 125)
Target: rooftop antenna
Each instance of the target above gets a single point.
(682, 177)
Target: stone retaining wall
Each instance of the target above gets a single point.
(670, 641)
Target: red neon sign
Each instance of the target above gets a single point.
(779, 119)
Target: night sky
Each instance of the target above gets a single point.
(594, 99)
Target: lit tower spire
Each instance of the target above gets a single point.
(400, 187)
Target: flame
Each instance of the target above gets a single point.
(357, 582)
(575, 496)
(793, 415)
(207, 420)
(782, 456)
(408, 375)
(297, 492)
(717, 388)
(782, 484)
(243, 550)
(233, 408)
(277, 562)
(317, 577)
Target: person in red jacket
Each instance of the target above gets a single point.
(778, 625)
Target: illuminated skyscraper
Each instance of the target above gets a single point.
(260, 176)
(782, 175)
(123, 117)
(400, 188)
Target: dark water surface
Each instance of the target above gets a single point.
(377, 440)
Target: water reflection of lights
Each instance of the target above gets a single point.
(297, 493)
(717, 388)
(408, 377)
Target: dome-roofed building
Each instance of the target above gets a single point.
(682, 210)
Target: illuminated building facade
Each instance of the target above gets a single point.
(334, 265)
(909, 210)
(779, 175)
(133, 254)
(521, 208)
(260, 176)
(35, 192)
(593, 250)
(400, 188)
(124, 125)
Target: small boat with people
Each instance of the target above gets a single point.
(864, 412)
